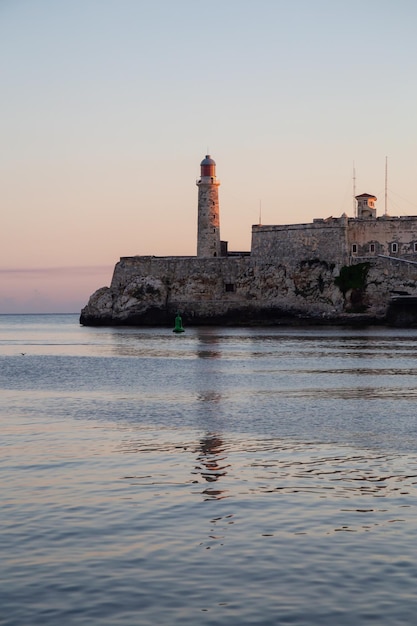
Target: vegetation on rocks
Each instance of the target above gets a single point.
(352, 277)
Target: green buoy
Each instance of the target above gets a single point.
(178, 325)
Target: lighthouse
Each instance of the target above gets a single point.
(208, 234)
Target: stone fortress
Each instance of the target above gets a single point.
(334, 270)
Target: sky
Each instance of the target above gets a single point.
(108, 106)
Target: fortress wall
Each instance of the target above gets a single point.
(382, 232)
(151, 289)
(201, 286)
(205, 277)
(322, 239)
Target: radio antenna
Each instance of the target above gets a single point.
(354, 189)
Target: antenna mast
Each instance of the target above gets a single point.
(386, 186)
(354, 189)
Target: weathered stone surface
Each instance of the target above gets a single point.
(151, 290)
(324, 239)
(99, 309)
(338, 240)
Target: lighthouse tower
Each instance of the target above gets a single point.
(208, 235)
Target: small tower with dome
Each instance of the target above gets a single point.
(208, 231)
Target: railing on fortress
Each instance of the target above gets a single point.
(363, 259)
(395, 258)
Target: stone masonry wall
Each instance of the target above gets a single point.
(381, 233)
(151, 290)
(322, 239)
(208, 230)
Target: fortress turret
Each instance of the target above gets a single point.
(366, 205)
(208, 235)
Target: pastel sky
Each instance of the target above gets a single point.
(108, 106)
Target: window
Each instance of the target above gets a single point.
(229, 287)
(354, 248)
(394, 247)
(415, 246)
(372, 247)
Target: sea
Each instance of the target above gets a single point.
(223, 476)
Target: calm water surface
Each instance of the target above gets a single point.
(224, 476)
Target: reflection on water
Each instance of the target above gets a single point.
(209, 396)
(305, 471)
(212, 463)
(343, 489)
(228, 476)
(209, 343)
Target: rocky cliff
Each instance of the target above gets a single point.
(243, 290)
